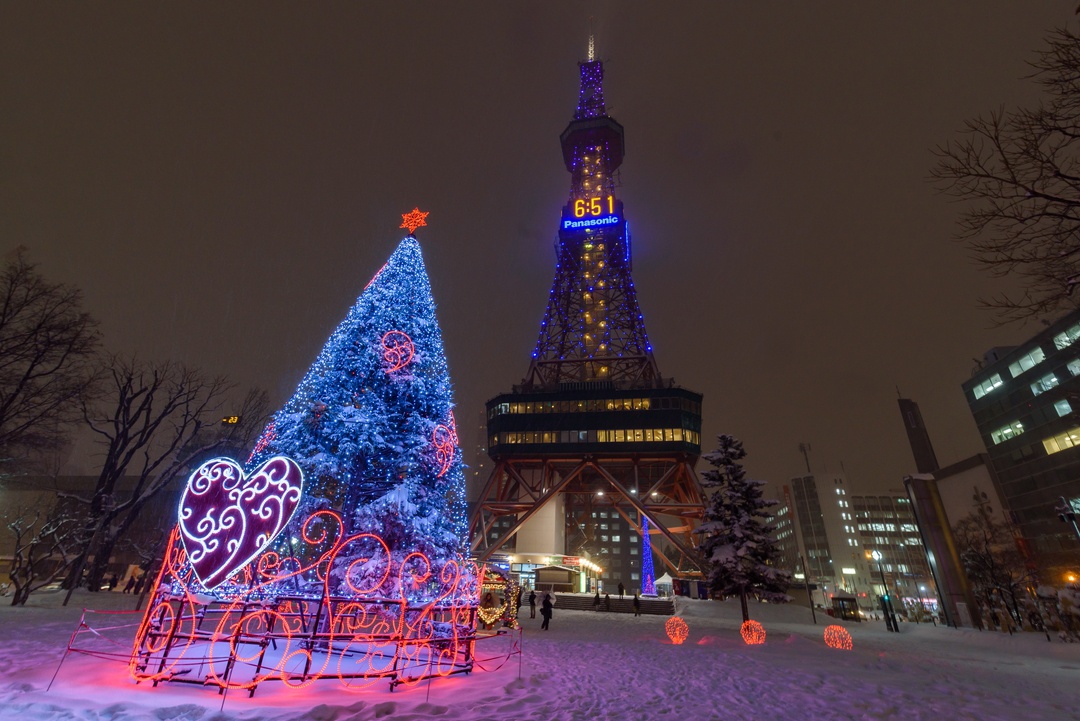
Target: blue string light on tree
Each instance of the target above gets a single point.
(648, 575)
(371, 423)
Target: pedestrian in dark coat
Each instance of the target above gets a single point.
(607, 602)
(545, 611)
(596, 602)
(622, 589)
(532, 604)
(637, 605)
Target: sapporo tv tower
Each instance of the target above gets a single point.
(594, 452)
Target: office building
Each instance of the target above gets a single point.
(1026, 403)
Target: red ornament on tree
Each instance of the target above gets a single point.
(398, 350)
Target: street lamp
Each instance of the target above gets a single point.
(886, 604)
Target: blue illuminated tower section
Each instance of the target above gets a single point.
(593, 450)
(648, 575)
(593, 329)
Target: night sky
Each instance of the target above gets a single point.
(223, 181)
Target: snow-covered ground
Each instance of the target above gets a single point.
(594, 666)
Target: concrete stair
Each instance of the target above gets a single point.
(584, 602)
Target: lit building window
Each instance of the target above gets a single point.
(1067, 338)
(1074, 367)
(1060, 442)
(1005, 433)
(1063, 407)
(987, 385)
(1044, 384)
(1027, 361)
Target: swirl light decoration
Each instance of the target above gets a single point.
(677, 630)
(838, 637)
(398, 350)
(445, 442)
(752, 632)
(343, 606)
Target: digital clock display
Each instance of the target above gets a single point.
(592, 207)
(595, 212)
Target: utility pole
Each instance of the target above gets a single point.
(806, 581)
(886, 602)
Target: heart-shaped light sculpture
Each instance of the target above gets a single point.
(228, 518)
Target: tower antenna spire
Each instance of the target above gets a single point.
(592, 48)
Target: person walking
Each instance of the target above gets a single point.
(637, 605)
(130, 584)
(622, 589)
(532, 603)
(545, 611)
(596, 602)
(607, 602)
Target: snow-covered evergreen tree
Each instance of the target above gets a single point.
(372, 427)
(736, 536)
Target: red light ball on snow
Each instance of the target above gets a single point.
(838, 637)
(753, 633)
(677, 630)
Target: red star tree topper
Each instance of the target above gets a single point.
(413, 220)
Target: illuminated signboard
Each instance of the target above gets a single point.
(596, 212)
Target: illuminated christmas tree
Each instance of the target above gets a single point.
(346, 523)
(372, 426)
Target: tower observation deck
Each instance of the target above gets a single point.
(593, 428)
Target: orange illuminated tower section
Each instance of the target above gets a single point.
(594, 442)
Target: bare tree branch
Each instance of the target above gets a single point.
(150, 424)
(1018, 174)
(47, 358)
(46, 543)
